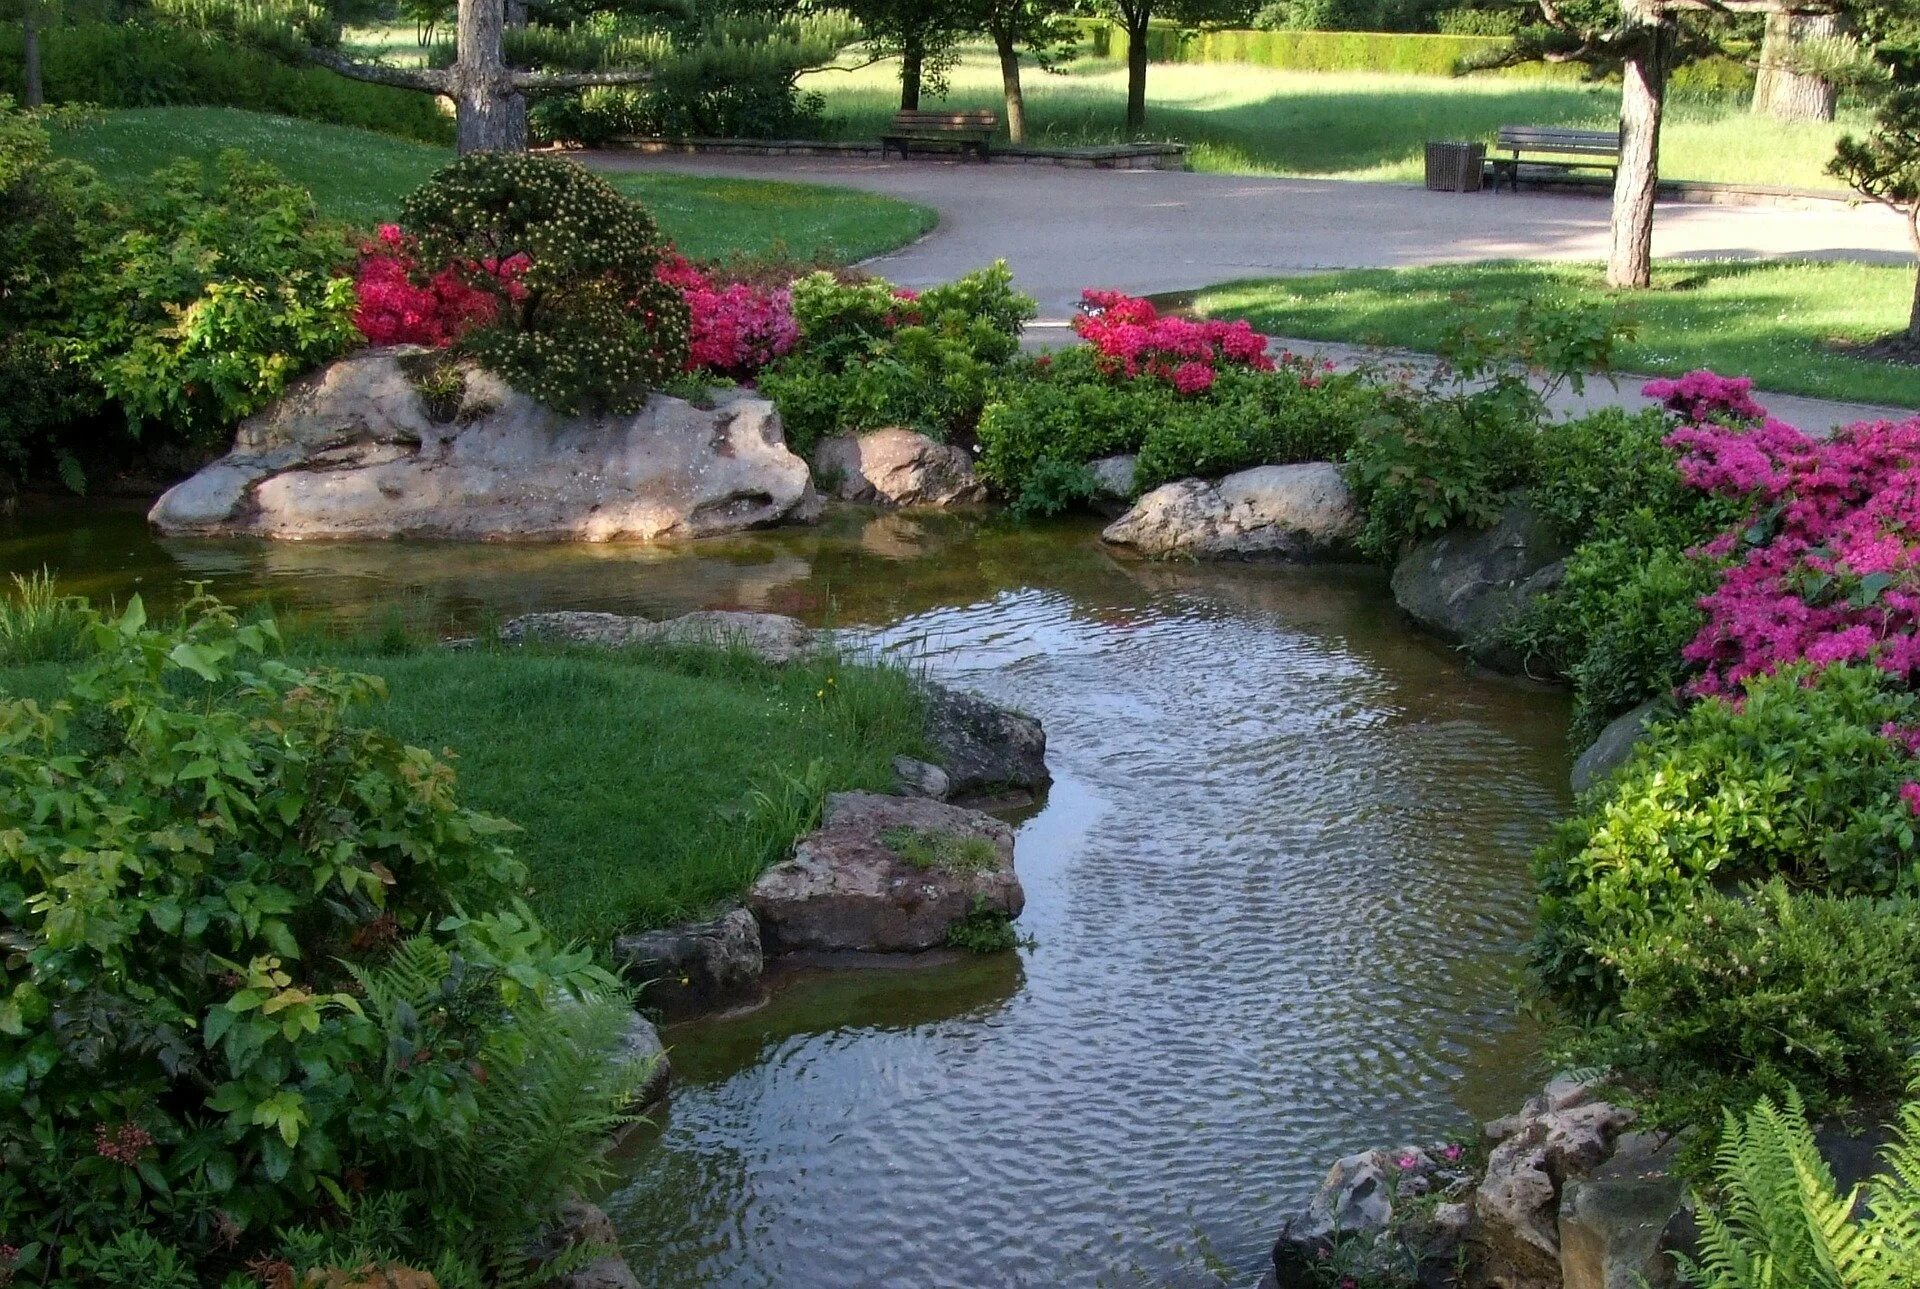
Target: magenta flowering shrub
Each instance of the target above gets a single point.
(1825, 571)
(738, 328)
(1132, 338)
(1703, 398)
(393, 306)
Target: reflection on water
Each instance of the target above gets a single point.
(1277, 894)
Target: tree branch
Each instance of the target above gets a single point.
(409, 78)
(535, 82)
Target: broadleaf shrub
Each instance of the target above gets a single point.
(587, 324)
(261, 961)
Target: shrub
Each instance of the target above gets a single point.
(1808, 776)
(737, 328)
(1765, 991)
(1597, 473)
(392, 308)
(1131, 338)
(263, 967)
(586, 325)
(133, 64)
(218, 290)
(870, 356)
(766, 107)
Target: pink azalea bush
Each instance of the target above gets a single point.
(1705, 398)
(394, 308)
(1132, 338)
(737, 328)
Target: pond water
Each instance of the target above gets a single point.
(1277, 895)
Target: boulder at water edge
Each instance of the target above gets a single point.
(897, 468)
(1288, 512)
(771, 636)
(1610, 751)
(1463, 585)
(886, 875)
(985, 749)
(684, 970)
(356, 450)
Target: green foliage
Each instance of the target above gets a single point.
(585, 326)
(1054, 487)
(1758, 993)
(1611, 467)
(216, 292)
(38, 623)
(261, 960)
(135, 64)
(1300, 50)
(948, 851)
(986, 929)
(1780, 1219)
(871, 357)
(1794, 781)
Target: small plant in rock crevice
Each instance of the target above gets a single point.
(986, 929)
(950, 852)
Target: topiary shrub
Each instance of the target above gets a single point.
(584, 323)
(263, 971)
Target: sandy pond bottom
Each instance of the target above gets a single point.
(1277, 897)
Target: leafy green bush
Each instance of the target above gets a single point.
(1759, 993)
(133, 64)
(214, 294)
(1797, 780)
(584, 324)
(871, 356)
(262, 966)
(1610, 468)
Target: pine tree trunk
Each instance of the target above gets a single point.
(1913, 237)
(1642, 97)
(911, 58)
(1137, 75)
(488, 115)
(36, 92)
(1010, 86)
(1783, 93)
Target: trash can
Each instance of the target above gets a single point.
(1455, 167)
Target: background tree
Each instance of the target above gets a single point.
(1137, 16)
(1885, 165)
(924, 35)
(1042, 29)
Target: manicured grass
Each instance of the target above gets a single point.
(1781, 323)
(361, 177)
(1255, 120)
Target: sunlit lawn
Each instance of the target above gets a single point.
(1785, 325)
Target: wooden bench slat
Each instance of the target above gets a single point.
(1596, 149)
(968, 130)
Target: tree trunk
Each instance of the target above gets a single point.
(912, 55)
(1783, 93)
(489, 116)
(1642, 97)
(1913, 237)
(1010, 86)
(1137, 75)
(36, 95)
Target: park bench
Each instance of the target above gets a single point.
(1543, 145)
(962, 131)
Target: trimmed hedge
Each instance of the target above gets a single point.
(132, 65)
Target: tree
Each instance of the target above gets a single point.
(924, 35)
(1038, 26)
(1137, 16)
(1788, 84)
(1885, 165)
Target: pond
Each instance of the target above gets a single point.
(1276, 896)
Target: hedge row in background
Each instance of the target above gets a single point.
(1388, 53)
(131, 65)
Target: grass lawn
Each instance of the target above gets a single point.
(361, 177)
(1782, 324)
(1255, 120)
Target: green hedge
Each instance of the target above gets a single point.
(131, 65)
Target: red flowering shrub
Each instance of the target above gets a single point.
(736, 329)
(1133, 338)
(396, 309)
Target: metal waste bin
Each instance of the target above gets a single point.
(1455, 167)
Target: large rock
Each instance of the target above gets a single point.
(1290, 512)
(898, 468)
(850, 886)
(1615, 744)
(771, 636)
(354, 451)
(1369, 1215)
(685, 970)
(579, 1223)
(984, 748)
(640, 1044)
(1463, 585)
(1615, 1221)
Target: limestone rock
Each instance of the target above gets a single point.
(1614, 1222)
(772, 637)
(913, 778)
(1289, 512)
(1354, 1208)
(1115, 476)
(353, 451)
(1563, 1134)
(1615, 744)
(1463, 585)
(983, 747)
(578, 1223)
(640, 1042)
(898, 467)
(849, 886)
(685, 970)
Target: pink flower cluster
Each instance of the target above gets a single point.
(395, 309)
(1706, 398)
(1134, 339)
(1827, 569)
(737, 328)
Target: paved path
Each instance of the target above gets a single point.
(1149, 231)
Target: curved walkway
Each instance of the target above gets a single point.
(1150, 231)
